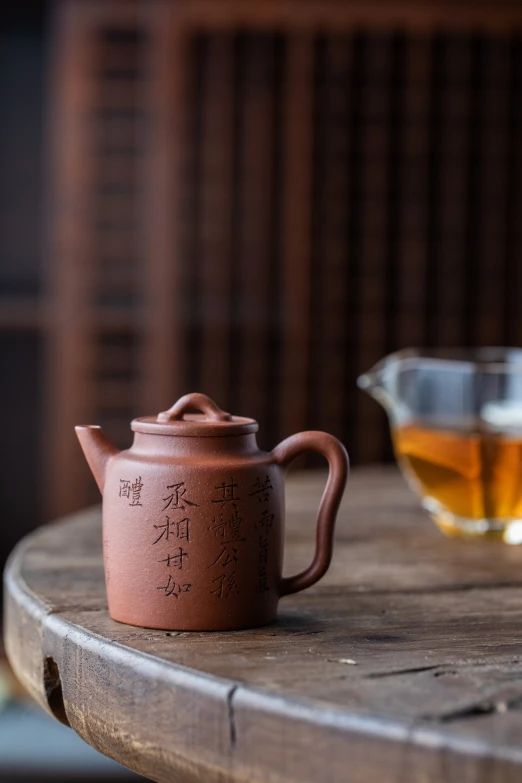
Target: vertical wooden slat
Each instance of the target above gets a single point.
(332, 237)
(216, 215)
(116, 139)
(472, 228)
(513, 224)
(296, 282)
(372, 274)
(256, 172)
(350, 279)
(117, 217)
(449, 285)
(395, 198)
(413, 207)
(163, 359)
(68, 349)
(489, 316)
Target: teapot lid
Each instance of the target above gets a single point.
(178, 421)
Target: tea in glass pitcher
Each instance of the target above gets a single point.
(456, 423)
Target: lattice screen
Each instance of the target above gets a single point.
(262, 214)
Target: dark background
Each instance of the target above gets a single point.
(260, 215)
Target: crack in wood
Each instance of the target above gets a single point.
(471, 711)
(479, 709)
(399, 672)
(231, 717)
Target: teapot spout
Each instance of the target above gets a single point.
(98, 450)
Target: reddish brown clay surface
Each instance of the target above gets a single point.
(193, 518)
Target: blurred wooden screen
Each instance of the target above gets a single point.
(260, 206)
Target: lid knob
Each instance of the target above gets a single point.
(191, 402)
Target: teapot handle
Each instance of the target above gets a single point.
(338, 462)
(190, 402)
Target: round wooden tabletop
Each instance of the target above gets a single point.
(404, 663)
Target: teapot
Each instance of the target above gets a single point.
(193, 518)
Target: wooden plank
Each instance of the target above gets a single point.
(163, 359)
(254, 245)
(68, 289)
(333, 16)
(488, 322)
(412, 293)
(332, 268)
(404, 660)
(513, 291)
(217, 194)
(372, 277)
(448, 287)
(296, 262)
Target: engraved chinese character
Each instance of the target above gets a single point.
(136, 488)
(262, 586)
(183, 529)
(170, 587)
(175, 561)
(227, 526)
(234, 523)
(227, 555)
(228, 493)
(218, 526)
(266, 520)
(225, 585)
(125, 488)
(262, 489)
(177, 497)
(174, 588)
(172, 528)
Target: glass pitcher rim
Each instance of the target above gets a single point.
(497, 359)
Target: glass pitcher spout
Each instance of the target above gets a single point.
(381, 381)
(456, 426)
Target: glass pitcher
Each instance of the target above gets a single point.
(456, 424)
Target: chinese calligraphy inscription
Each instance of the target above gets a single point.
(176, 500)
(176, 529)
(131, 490)
(174, 588)
(265, 521)
(226, 527)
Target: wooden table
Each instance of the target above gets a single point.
(404, 664)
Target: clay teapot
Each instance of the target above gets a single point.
(193, 517)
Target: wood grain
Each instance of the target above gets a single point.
(402, 664)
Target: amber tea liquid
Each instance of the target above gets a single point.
(471, 473)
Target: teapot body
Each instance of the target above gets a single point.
(193, 518)
(192, 533)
